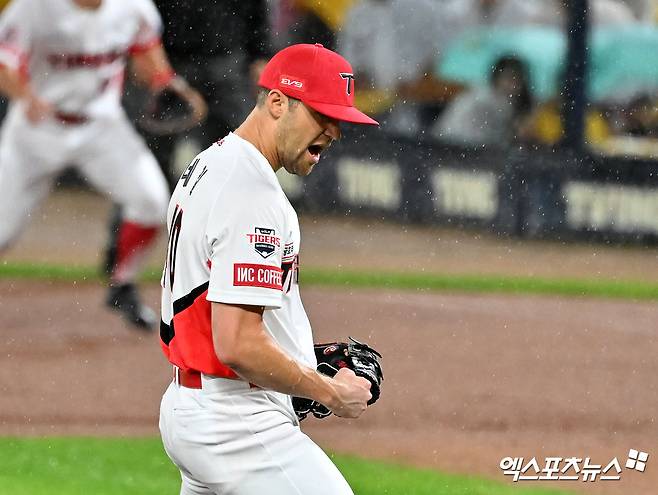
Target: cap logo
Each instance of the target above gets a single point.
(350, 78)
(291, 82)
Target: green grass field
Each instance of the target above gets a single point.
(622, 289)
(139, 466)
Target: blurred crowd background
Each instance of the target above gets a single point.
(487, 72)
(471, 73)
(474, 73)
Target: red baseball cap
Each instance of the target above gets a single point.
(320, 78)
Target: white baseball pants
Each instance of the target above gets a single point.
(229, 439)
(108, 152)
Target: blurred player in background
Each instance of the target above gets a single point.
(62, 65)
(220, 48)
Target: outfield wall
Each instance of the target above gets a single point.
(516, 192)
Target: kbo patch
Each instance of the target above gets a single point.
(264, 241)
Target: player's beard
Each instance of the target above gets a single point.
(299, 164)
(294, 157)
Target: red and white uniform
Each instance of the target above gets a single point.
(234, 238)
(75, 60)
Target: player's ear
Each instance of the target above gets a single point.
(276, 102)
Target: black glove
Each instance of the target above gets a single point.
(360, 358)
(172, 109)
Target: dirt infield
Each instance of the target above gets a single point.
(469, 379)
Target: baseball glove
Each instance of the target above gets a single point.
(360, 358)
(174, 108)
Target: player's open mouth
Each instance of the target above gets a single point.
(315, 150)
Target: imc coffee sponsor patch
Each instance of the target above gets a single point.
(250, 275)
(264, 241)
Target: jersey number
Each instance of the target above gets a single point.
(172, 246)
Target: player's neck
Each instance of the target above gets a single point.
(258, 133)
(88, 4)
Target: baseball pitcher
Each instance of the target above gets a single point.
(233, 323)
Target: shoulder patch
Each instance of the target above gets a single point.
(265, 241)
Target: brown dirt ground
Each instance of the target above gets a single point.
(469, 378)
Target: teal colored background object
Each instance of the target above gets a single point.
(470, 59)
(623, 61)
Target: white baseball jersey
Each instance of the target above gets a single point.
(233, 238)
(74, 57)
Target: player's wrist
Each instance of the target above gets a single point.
(328, 394)
(24, 93)
(162, 79)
